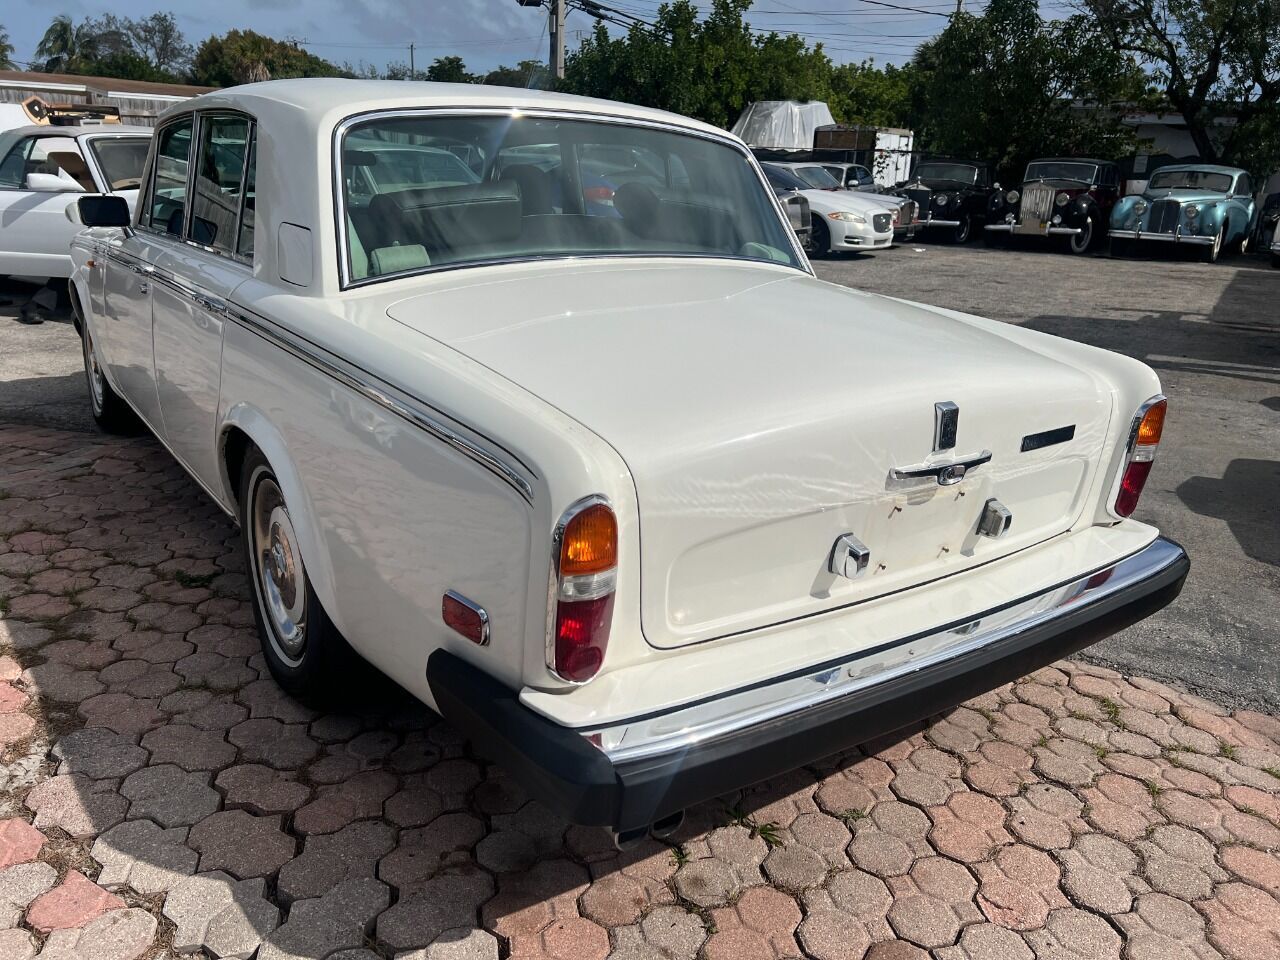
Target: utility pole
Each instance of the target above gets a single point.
(412, 73)
(557, 37)
(959, 6)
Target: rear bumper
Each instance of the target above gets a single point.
(634, 772)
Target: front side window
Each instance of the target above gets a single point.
(1191, 180)
(168, 202)
(955, 172)
(427, 191)
(224, 148)
(1061, 170)
(52, 156)
(121, 160)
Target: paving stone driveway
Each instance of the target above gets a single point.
(159, 795)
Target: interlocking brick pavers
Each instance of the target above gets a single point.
(73, 903)
(149, 757)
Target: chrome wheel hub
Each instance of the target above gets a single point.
(279, 578)
(93, 370)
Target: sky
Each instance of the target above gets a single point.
(486, 33)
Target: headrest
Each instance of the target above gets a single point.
(451, 217)
(409, 256)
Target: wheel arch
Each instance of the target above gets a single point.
(245, 427)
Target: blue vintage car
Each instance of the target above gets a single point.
(1208, 206)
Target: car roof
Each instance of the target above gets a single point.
(1072, 160)
(326, 100)
(58, 130)
(1207, 167)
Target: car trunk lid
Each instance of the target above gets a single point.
(761, 413)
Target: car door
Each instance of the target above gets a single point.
(124, 338)
(38, 180)
(195, 279)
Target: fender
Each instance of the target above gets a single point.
(263, 433)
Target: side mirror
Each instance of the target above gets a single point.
(52, 183)
(101, 210)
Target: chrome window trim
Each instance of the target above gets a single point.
(1130, 443)
(553, 580)
(683, 727)
(343, 127)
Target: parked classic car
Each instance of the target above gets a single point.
(821, 176)
(841, 220)
(852, 176)
(1269, 227)
(1208, 206)
(646, 510)
(951, 196)
(41, 169)
(1066, 198)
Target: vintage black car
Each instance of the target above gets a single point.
(1060, 197)
(951, 196)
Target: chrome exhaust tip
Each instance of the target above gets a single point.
(661, 829)
(629, 839)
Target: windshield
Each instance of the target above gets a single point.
(121, 159)
(1060, 170)
(959, 172)
(783, 178)
(1191, 180)
(428, 191)
(817, 177)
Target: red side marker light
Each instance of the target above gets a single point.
(464, 617)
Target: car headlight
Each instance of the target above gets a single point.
(1140, 207)
(942, 199)
(847, 216)
(1061, 200)
(1192, 211)
(1013, 196)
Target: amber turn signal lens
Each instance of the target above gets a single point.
(1152, 424)
(590, 543)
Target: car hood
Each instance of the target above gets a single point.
(760, 410)
(827, 201)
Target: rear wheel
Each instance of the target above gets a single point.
(1080, 243)
(304, 651)
(109, 410)
(1241, 246)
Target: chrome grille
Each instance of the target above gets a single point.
(910, 212)
(921, 198)
(882, 222)
(1036, 207)
(1164, 216)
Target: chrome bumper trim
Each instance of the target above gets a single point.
(685, 727)
(1166, 237)
(1051, 232)
(936, 223)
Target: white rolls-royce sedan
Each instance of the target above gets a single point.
(619, 488)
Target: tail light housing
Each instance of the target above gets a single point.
(1140, 454)
(584, 577)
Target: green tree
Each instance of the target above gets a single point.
(527, 74)
(242, 56)
(876, 96)
(158, 39)
(450, 70)
(6, 51)
(1006, 86)
(1212, 60)
(64, 43)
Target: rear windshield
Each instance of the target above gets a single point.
(121, 160)
(1191, 180)
(426, 191)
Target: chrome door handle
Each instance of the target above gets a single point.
(141, 269)
(213, 306)
(946, 472)
(144, 287)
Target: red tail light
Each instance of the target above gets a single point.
(1144, 440)
(598, 194)
(582, 586)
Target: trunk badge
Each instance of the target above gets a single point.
(849, 557)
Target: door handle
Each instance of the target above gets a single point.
(144, 287)
(142, 269)
(946, 472)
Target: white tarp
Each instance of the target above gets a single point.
(782, 124)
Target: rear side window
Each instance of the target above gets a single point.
(168, 202)
(248, 215)
(219, 182)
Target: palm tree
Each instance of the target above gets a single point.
(64, 43)
(6, 51)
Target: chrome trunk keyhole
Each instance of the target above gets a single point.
(849, 557)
